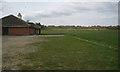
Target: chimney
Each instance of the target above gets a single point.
(19, 16)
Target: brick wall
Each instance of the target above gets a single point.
(37, 31)
(32, 31)
(18, 31)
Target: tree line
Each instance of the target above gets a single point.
(97, 27)
(80, 27)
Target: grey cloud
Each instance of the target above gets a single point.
(5, 7)
(104, 7)
(73, 8)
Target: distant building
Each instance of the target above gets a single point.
(12, 25)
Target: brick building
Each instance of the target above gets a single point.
(12, 25)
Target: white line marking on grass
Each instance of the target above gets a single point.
(95, 43)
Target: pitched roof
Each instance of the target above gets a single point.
(13, 21)
(34, 25)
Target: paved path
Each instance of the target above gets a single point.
(45, 35)
(36, 36)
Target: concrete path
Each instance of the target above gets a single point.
(36, 36)
(45, 35)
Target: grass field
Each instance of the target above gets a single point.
(107, 37)
(77, 50)
(70, 53)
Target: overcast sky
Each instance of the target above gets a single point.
(64, 13)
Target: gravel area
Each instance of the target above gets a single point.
(15, 47)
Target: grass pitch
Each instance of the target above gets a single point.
(70, 53)
(77, 50)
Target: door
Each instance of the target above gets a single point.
(39, 31)
(5, 31)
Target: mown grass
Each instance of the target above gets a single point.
(108, 37)
(69, 53)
